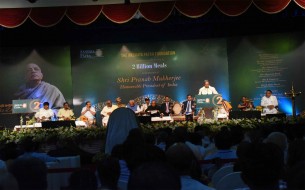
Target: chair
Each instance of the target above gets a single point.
(231, 181)
(225, 170)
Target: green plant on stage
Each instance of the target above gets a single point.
(66, 135)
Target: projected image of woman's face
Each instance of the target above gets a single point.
(33, 72)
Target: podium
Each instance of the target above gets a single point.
(26, 106)
(208, 103)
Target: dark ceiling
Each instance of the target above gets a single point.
(177, 27)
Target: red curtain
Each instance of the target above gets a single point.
(120, 13)
(47, 16)
(194, 8)
(156, 12)
(271, 6)
(233, 7)
(301, 3)
(11, 18)
(83, 15)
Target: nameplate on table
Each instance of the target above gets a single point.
(164, 118)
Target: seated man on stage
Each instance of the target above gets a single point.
(88, 113)
(44, 114)
(107, 110)
(245, 104)
(207, 89)
(145, 106)
(119, 103)
(131, 105)
(269, 103)
(189, 108)
(167, 107)
(153, 109)
(65, 113)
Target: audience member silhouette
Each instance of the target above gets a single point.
(154, 176)
(182, 159)
(262, 165)
(108, 170)
(83, 179)
(30, 173)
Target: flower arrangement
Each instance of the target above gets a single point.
(81, 135)
(61, 134)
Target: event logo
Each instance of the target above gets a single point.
(91, 53)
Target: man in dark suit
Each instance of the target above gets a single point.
(166, 107)
(153, 109)
(188, 108)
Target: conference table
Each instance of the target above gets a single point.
(49, 124)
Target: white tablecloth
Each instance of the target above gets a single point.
(38, 125)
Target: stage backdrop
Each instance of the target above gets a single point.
(275, 61)
(129, 71)
(98, 72)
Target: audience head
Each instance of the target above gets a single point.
(109, 172)
(121, 121)
(9, 152)
(180, 157)
(223, 139)
(237, 134)
(195, 138)
(296, 176)
(83, 179)
(8, 181)
(278, 139)
(154, 176)
(162, 137)
(30, 173)
(29, 145)
(261, 165)
(135, 137)
(296, 152)
(180, 134)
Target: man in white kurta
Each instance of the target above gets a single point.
(45, 113)
(207, 89)
(107, 110)
(269, 103)
(145, 106)
(89, 112)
